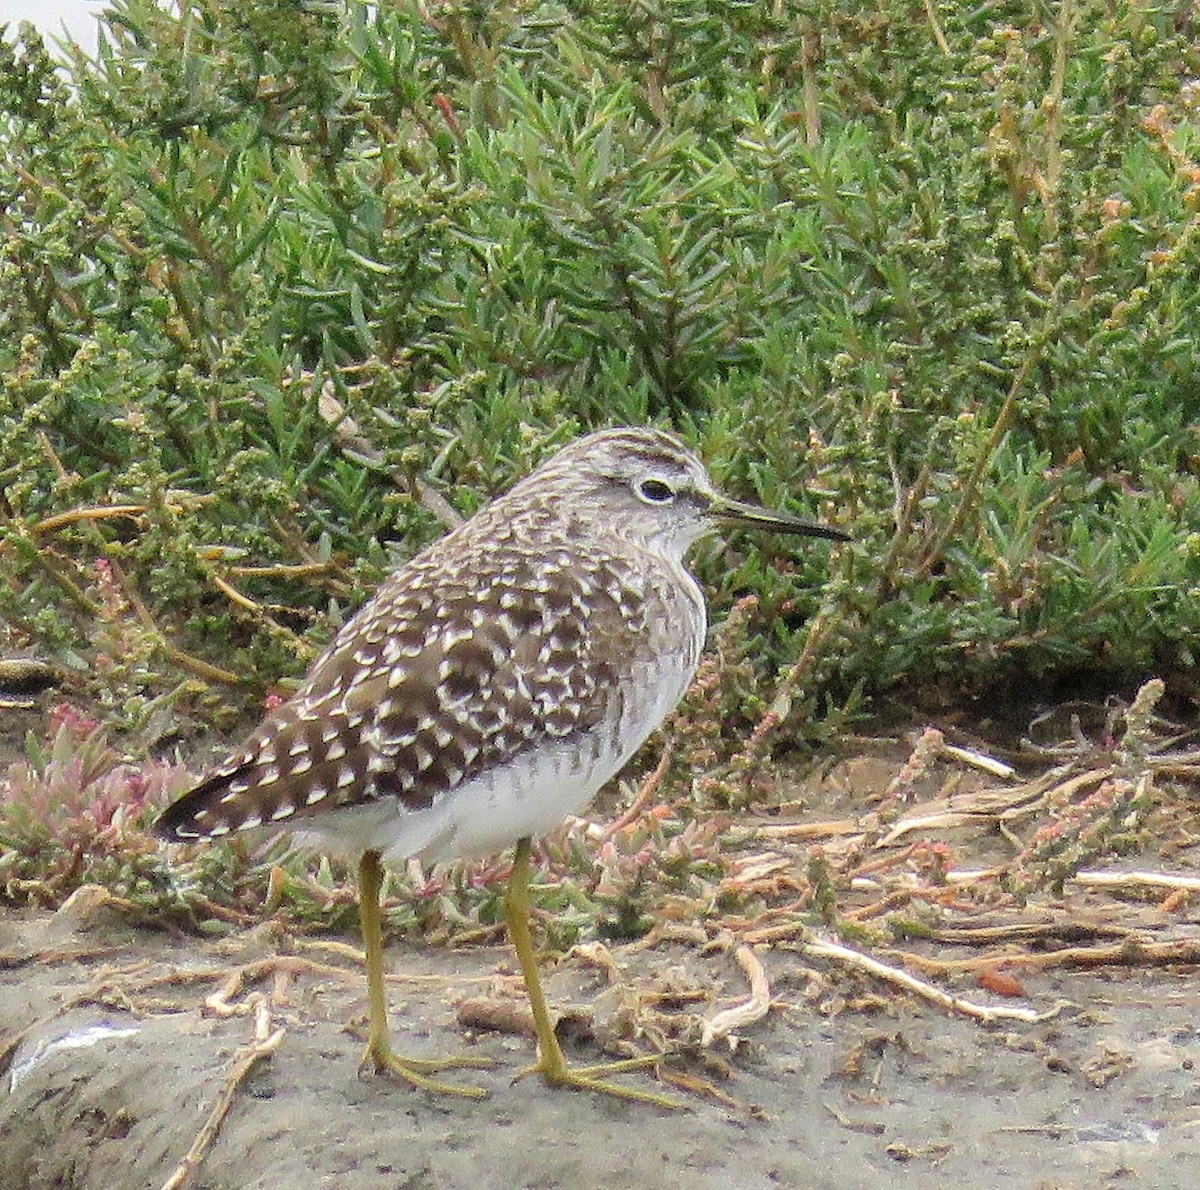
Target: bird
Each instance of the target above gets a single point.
(487, 691)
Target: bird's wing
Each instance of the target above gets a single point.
(422, 691)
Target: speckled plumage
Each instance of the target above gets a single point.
(489, 689)
(536, 645)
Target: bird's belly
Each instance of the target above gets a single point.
(528, 796)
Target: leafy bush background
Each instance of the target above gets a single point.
(936, 264)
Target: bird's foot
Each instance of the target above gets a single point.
(379, 1059)
(556, 1073)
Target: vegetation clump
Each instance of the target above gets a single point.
(278, 281)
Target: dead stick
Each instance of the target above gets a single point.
(95, 513)
(264, 1044)
(1128, 952)
(821, 948)
(1137, 880)
(809, 830)
(748, 1011)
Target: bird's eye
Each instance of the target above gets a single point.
(654, 491)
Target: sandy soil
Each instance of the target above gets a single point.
(849, 1089)
(111, 1062)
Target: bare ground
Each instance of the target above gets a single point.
(118, 1042)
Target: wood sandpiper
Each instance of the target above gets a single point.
(488, 690)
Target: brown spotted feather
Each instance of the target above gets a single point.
(464, 660)
(516, 663)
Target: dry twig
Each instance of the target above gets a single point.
(749, 1011)
(821, 948)
(1137, 880)
(264, 1043)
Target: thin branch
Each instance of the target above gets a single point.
(966, 501)
(259, 1049)
(749, 1011)
(938, 36)
(821, 948)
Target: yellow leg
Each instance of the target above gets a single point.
(551, 1063)
(379, 1051)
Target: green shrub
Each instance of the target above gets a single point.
(267, 270)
